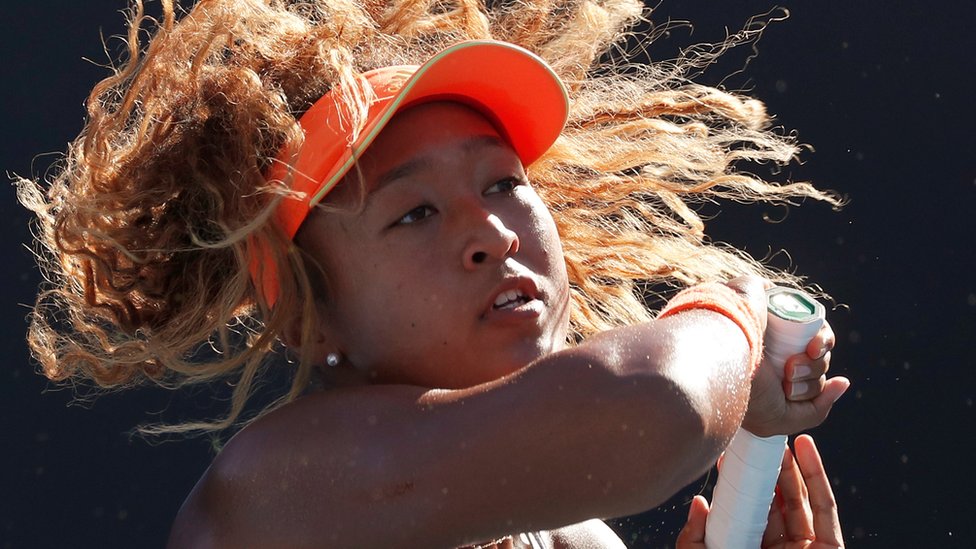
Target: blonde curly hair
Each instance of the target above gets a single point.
(143, 231)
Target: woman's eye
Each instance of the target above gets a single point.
(415, 215)
(506, 185)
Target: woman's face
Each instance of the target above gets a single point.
(452, 274)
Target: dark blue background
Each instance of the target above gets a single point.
(882, 91)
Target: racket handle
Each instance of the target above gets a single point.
(747, 482)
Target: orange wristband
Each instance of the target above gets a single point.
(726, 301)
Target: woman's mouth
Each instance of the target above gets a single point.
(510, 299)
(516, 300)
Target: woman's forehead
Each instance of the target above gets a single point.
(398, 148)
(431, 120)
(418, 137)
(410, 144)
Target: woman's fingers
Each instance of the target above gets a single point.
(804, 374)
(821, 343)
(794, 500)
(800, 367)
(782, 513)
(775, 534)
(804, 512)
(806, 389)
(826, 523)
(804, 378)
(692, 536)
(804, 414)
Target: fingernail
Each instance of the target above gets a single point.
(800, 371)
(823, 352)
(799, 388)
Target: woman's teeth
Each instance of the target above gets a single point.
(509, 298)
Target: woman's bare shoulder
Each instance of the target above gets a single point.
(292, 435)
(348, 411)
(317, 441)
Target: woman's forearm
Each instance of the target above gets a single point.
(619, 423)
(611, 427)
(681, 387)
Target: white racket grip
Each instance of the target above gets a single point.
(744, 491)
(747, 482)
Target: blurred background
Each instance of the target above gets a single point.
(881, 91)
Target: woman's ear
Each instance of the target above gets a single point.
(309, 335)
(319, 341)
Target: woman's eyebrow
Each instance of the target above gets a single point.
(421, 162)
(401, 171)
(476, 142)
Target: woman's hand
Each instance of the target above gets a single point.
(801, 397)
(803, 514)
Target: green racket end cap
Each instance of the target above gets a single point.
(791, 304)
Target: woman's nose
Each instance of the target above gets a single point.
(489, 240)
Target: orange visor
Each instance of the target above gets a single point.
(512, 87)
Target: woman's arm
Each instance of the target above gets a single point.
(611, 427)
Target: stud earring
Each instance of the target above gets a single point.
(332, 359)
